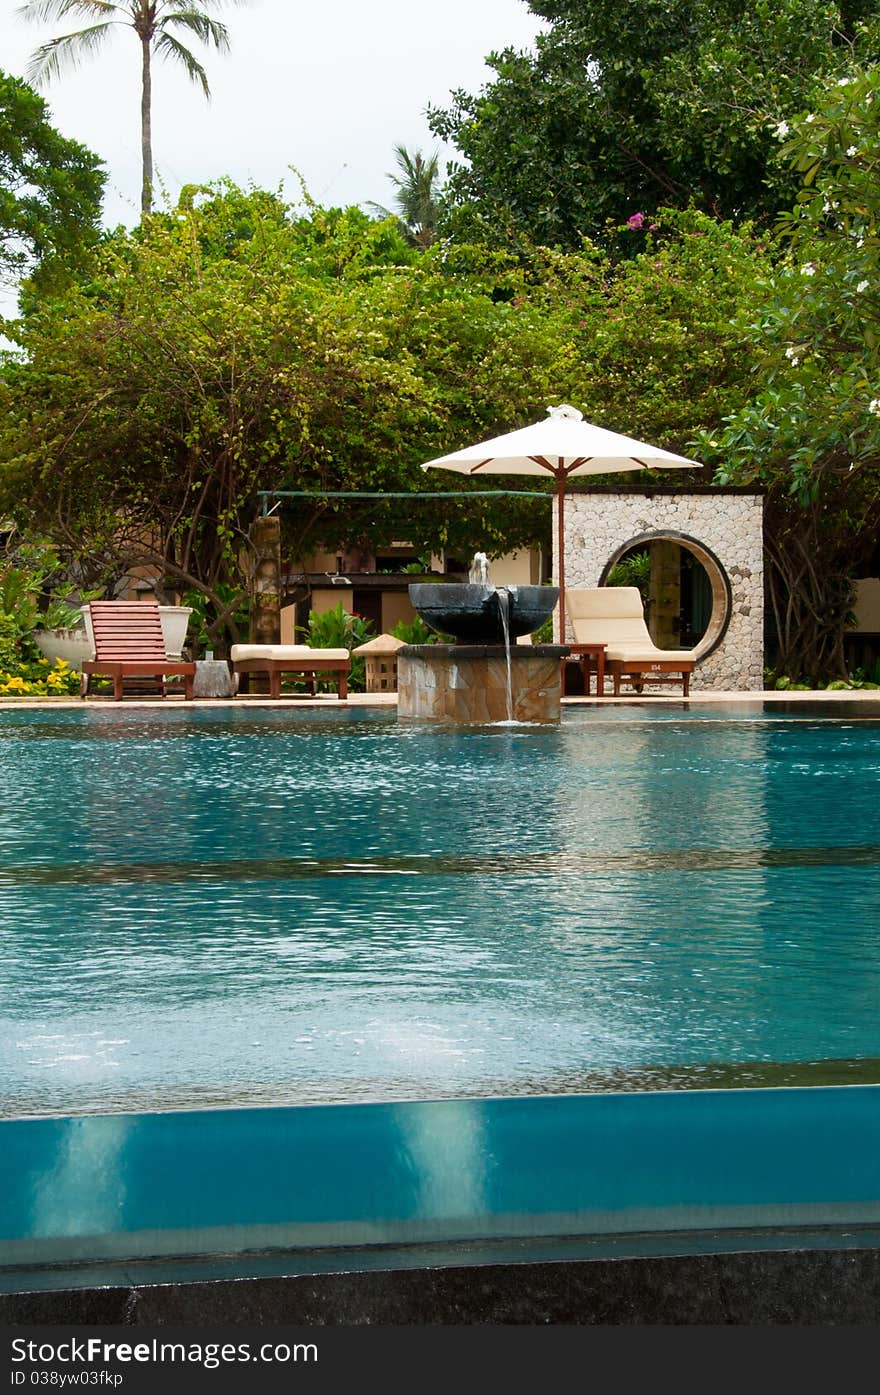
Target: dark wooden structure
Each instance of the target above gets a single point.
(640, 671)
(129, 643)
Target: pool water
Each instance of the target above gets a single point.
(254, 906)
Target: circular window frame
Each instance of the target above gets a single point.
(722, 591)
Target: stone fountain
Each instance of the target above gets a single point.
(483, 675)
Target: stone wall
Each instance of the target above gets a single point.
(475, 684)
(724, 530)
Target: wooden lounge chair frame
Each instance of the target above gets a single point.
(306, 663)
(642, 671)
(614, 616)
(129, 643)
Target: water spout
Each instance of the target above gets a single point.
(502, 595)
(469, 611)
(479, 570)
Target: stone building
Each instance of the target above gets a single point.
(718, 532)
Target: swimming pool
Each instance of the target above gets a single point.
(271, 906)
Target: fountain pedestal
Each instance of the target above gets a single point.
(467, 683)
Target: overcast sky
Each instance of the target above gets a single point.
(329, 88)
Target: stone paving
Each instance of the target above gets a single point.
(716, 697)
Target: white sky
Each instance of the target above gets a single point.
(329, 88)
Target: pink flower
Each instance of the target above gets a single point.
(635, 221)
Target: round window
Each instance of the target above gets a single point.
(685, 590)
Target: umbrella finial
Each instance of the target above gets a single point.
(563, 410)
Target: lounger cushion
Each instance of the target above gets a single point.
(614, 616)
(298, 654)
(638, 653)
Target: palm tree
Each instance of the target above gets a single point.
(417, 199)
(152, 21)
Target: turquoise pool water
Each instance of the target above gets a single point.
(268, 906)
(446, 1181)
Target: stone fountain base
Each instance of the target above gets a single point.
(467, 683)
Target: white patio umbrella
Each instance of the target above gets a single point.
(562, 445)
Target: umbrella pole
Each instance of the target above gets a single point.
(560, 548)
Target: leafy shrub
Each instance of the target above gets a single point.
(415, 631)
(634, 570)
(10, 642)
(339, 629)
(29, 602)
(39, 679)
(782, 683)
(544, 633)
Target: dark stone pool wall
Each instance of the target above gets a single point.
(796, 1286)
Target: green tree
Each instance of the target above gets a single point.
(811, 435)
(417, 193)
(154, 23)
(238, 346)
(231, 348)
(50, 191)
(666, 350)
(628, 105)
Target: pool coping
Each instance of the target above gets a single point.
(739, 1283)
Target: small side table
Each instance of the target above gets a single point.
(212, 679)
(591, 656)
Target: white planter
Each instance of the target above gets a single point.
(175, 619)
(74, 646)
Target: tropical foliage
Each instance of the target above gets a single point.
(50, 193)
(417, 193)
(239, 345)
(156, 27)
(811, 435)
(338, 628)
(629, 105)
(33, 596)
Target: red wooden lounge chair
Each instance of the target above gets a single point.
(129, 643)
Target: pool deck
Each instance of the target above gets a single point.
(746, 699)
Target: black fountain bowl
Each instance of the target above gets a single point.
(472, 613)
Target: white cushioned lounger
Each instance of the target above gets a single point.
(614, 616)
(276, 659)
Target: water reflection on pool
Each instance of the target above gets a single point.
(257, 906)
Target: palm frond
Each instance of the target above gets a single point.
(162, 6)
(66, 51)
(415, 168)
(209, 30)
(167, 45)
(41, 11)
(416, 185)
